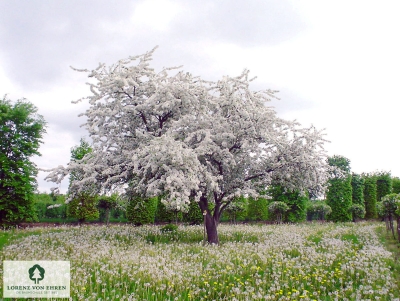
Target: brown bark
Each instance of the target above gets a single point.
(107, 216)
(398, 228)
(211, 221)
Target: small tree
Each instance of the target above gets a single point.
(319, 210)
(107, 203)
(83, 205)
(390, 206)
(278, 209)
(21, 131)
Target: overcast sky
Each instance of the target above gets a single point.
(335, 63)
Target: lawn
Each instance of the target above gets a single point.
(253, 262)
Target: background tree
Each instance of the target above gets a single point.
(297, 203)
(390, 204)
(191, 140)
(21, 131)
(257, 209)
(383, 185)
(82, 205)
(357, 186)
(396, 185)
(370, 196)
(339, 195)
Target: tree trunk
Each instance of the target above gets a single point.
(210, 220)
(107, 216)
(391, 225)
(398, 228)
(211, 229)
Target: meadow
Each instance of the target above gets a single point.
(253, 262)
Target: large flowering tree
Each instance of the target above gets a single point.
(189, 140)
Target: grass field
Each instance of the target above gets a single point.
(253, 262)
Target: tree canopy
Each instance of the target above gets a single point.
(21, 130)
(186, 139)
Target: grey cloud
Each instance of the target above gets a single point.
(250, 23)
(42, 38)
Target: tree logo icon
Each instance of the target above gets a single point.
(36, 273)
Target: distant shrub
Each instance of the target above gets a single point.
(83, 207)
(164, 215)
(141, 211)
(194, 216)
(357, 211)
(257, 209)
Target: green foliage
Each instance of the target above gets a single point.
(106, 204)
(370, 196)
(164, 215)
(339, 195)
(257, 209)
(396, 185)
(83, 207)
(340, 162)
(318, 210)
(21, 130)
(380, 210)
(78, 153)
(296, 202)
(44, 206)
(383, 185)
(338, 198)
(357, 186)
(236, 210)
(278, 209)
(194, 216)
(390, 204)
(357, 211)
(141, 211)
